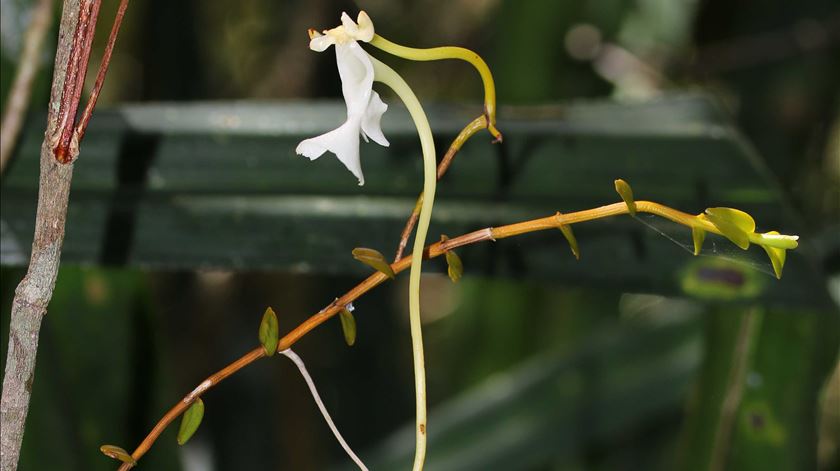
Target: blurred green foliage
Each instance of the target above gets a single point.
(119, 347)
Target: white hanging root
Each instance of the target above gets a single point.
(312, 390)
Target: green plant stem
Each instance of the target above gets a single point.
(486, 121)
(450, 52)
(383, 73)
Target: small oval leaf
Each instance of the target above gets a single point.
(742, 220)
(698, 235)
(626, 193)
(190, 421)
(374, 259)
(570, 238)
(269, 332)
(455, 268)
(117, 453)
(348, 326)
(734, 224)
(777, 257)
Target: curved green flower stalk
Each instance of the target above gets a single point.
(487, 120)
(383, 73)
(358, 71)
(450, 52)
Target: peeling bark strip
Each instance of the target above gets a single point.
(35, 291)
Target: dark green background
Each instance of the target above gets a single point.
(535, 361)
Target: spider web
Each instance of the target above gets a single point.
(714, 246)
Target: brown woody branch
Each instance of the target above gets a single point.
(554, 221)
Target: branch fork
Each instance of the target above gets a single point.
(71, 129)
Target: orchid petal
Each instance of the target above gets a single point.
(371, 126)
(356, 72)
(342, 141)
(321, 43)
(349, 25)
(365, 31)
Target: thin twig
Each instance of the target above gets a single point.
(72, 130)
(65, 147)
(103, 70)
(473, 127)
(317, 398)
(27, 70)
(437, 249)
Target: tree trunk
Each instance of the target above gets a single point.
(35, 291)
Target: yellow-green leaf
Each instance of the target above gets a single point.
(698, 235)
(373, 259)
(742, 220)
(782, 241)
(455, 267)
(570, 238)
(348, 326)
(269, 332)
(734, 224)
(777, 257)
(117, 453)
(190, 421)
(626, 193)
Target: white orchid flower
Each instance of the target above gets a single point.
(364, 107)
